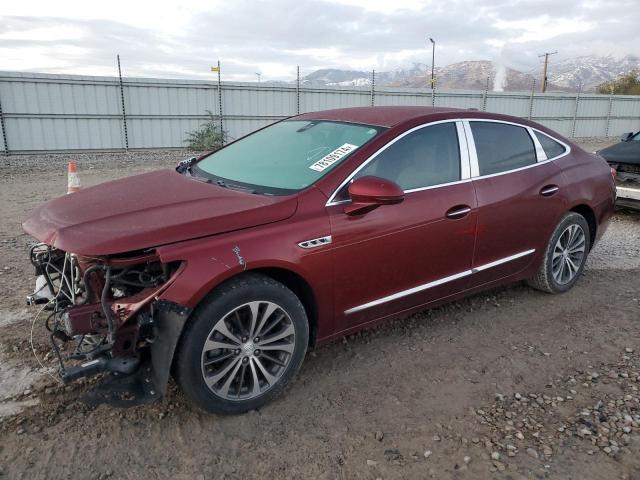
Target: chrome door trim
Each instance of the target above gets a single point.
(410, 291)
(464, 163)
(436, 283)
(486, 266)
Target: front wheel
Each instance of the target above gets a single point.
(242, 346)
(565, 256)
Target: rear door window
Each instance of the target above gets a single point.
(502, 147)
(551, 148)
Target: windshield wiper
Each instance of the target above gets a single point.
(231, 186)
(306, 127)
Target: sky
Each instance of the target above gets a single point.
(184, 39)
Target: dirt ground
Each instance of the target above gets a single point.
(511, 383)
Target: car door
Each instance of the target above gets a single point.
(519, 194)
(400, 256)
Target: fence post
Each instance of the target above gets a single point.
(484, 96)
(373, 87)
(124, 112)
(4, 131)
(575, 113)
(606, 130)
(298, 90)
(533, 87)
(220, 103)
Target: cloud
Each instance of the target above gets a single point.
(272, 37)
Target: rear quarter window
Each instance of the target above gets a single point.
(502, 147)
(551, 148)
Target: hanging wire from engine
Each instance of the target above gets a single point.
(53, 300)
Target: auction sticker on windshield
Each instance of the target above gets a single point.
(333, 157)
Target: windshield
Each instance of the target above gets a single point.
(286, 156)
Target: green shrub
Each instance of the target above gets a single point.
(628, 84)
(208, 136)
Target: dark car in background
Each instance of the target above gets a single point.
(624, 157)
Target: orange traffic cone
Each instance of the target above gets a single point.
(73, 180)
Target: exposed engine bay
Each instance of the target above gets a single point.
(627, 184)
(99, 312)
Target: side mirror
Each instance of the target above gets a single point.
(626, 136)
(368, 193)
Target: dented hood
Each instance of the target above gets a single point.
(148, 210)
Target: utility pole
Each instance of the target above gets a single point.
(433, 62)
(544, 74)
(258, 75)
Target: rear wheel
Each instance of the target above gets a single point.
(565, 255)
(242, 346)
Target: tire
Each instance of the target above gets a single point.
(547, 278)
(248, 302)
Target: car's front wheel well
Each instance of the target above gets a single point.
(302, 290)
(590, 217)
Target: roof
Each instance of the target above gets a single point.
(379, 116)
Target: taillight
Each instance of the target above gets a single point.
(614, 173)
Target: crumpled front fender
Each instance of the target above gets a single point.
(169, 320)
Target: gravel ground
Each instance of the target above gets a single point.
(511, 383)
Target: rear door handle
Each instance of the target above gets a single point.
(458, 211)
(549, 190)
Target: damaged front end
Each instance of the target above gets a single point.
(105, 315)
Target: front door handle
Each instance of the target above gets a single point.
(458, 211)
(549, 190)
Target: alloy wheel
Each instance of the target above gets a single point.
(248, 350)
(568, 254)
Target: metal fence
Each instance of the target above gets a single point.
(42, 112)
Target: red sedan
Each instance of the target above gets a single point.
(227, 269)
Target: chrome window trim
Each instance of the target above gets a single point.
(473, 154)
(480, 177)
(540, 153)
(567, 148)
(438, 282)
(468, 156)
(464, 158)
(475, 167)
(465, 161)
(440, 185)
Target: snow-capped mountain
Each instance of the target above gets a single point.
(334, 76)
(563, 75)
(590, 71)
